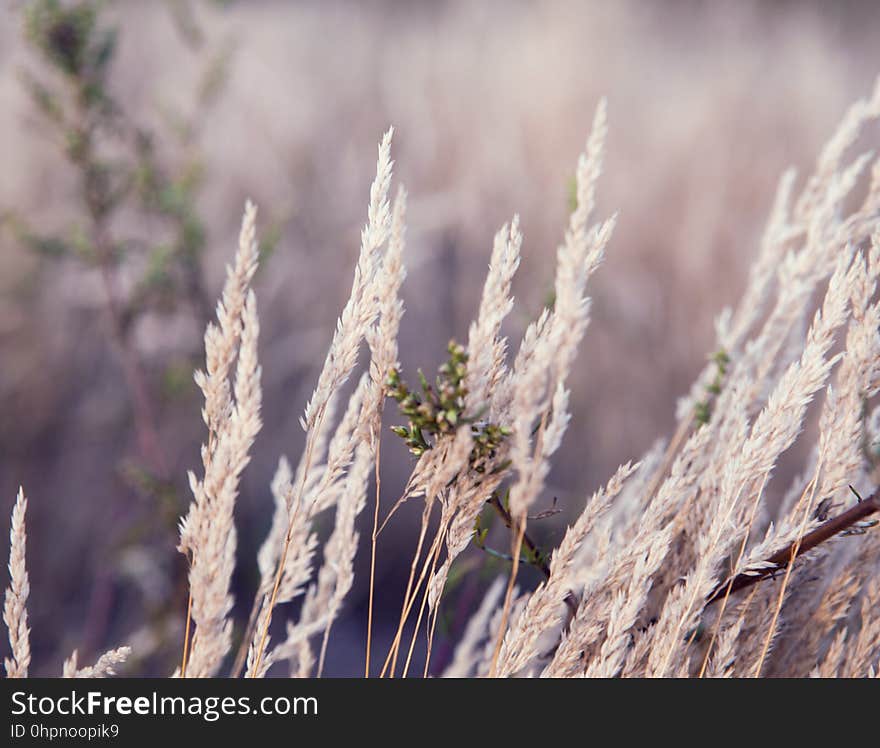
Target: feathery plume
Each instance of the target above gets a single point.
(15, 607)
(105, 667)
(207, 534)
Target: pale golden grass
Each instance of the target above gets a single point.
(104, 667)
(15, 605)
(646, 580)
(232, 416)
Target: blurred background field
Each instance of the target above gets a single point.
(284, 102)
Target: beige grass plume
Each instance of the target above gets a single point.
(232, 415)
(15, 607)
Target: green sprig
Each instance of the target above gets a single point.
(439, 409)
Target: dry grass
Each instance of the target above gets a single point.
(644, 581)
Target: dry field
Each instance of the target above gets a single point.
(695, 301)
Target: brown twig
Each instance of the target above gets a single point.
(534, 555)
(149, 442)
(97, 207)
(536, 558)
(802, 545)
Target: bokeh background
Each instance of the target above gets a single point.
(491, 103)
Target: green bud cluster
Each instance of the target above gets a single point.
(440, 409)
(703, 409)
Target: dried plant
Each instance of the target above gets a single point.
(678, 566)
(15, 606)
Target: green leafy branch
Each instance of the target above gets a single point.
(121, 169)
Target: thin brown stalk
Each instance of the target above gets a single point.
(430, 647)
(187, 631)
(186, 635)
(742, 549)
(415, 635)
(283, 560)
(508, 595)
(405, 494)
(247, 636)
(274, 597)
(395, 647)
(794, 552)
(323, 654)
(404, 610)
(373, 538)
